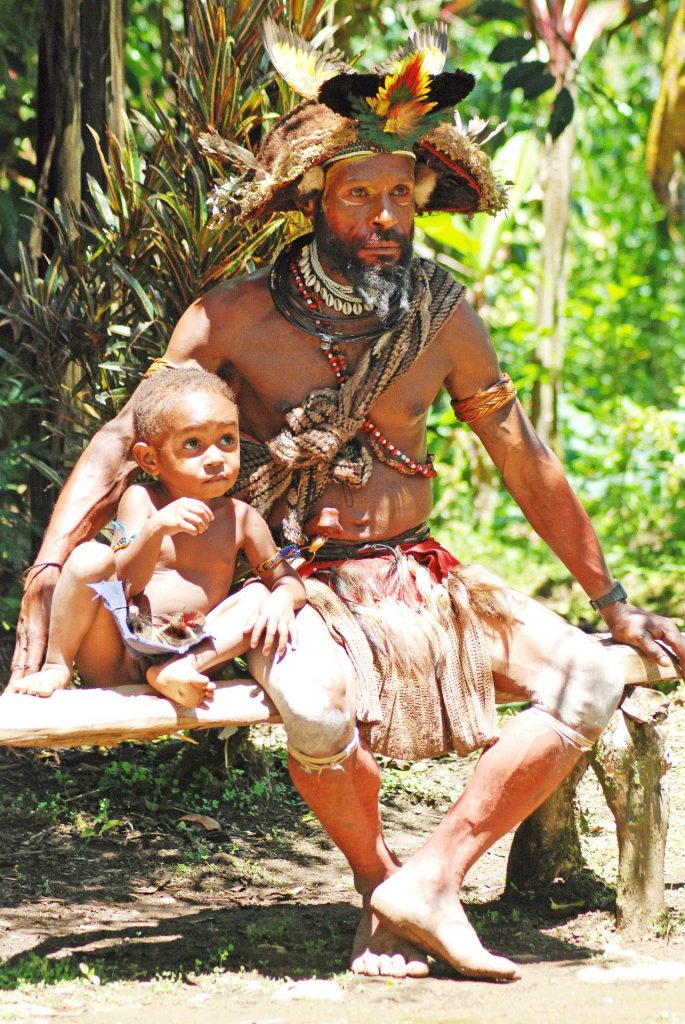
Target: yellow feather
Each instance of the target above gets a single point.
(303, 67)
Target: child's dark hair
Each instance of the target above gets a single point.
(156, 397)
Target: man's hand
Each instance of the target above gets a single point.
(640, 629)
(34, 621)
(276, 622)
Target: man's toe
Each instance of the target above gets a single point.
(416, 969)
(366, 963)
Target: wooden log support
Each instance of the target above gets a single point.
(92, 717)
(630, 760)
(546, 845)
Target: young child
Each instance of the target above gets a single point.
(174, 551)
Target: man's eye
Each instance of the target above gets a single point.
(191, 445)
(403, 191)
(358, 192)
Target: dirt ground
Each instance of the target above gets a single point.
(114, 909)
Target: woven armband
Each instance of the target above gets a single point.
(156, 365)
(485, 402)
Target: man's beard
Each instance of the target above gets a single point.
(382, 287)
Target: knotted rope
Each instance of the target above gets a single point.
(319, 442)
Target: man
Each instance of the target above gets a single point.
(335, 355)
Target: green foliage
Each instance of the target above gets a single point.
(622, 407)
(87, 318)
(32, 969)
(562, 113)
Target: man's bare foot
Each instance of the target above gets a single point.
(181, 682)
(434, 919)
(378, 951)
(43, 683)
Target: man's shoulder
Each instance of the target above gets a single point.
(245, 294)
(462, 318)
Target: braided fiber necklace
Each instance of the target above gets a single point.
(386, 452)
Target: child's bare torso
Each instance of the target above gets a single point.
(193, 574)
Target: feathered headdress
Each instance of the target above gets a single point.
(404, 105)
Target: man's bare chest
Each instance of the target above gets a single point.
(280, 365)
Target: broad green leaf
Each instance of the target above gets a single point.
(450, 231)
(135, 286)
(538, 84)
(562, 113)
(509, 50)
(519, 74)
(498, 10)
(101, 202)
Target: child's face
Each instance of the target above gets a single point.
(198, 456)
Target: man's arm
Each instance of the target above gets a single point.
(86, 503)
(536, 480)
(89, 498)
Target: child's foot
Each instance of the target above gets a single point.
(43, 683)
(181, 682)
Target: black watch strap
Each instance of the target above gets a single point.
(617, 593)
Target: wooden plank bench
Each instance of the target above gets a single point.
(630, 760)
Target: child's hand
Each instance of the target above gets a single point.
(185, 515)
(276, 621)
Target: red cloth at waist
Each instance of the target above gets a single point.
(434, 556)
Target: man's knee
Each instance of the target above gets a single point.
(313, 688)
(589, 693)
(319, 716)
(315, 699)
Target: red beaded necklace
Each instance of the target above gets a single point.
(383, 449)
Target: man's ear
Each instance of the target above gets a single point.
(146, 456)
(309, 191)
(307, 204)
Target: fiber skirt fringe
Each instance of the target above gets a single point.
(424, 682)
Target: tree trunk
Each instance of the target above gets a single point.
(102, 46)
(630, 761)
(556, 175)
(666, 136)
(80, 83)
(546, 845)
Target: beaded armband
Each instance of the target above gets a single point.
(485, 402)
(291, 554)
(124, 540)
(269, 563)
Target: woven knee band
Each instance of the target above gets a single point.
(318, 764)
(576, 739)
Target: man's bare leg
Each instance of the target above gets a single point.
(319, 715)
(563, 668)
(421, 901)
(345, 800)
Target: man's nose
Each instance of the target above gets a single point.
(383, 215)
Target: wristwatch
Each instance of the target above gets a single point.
(617, 593)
